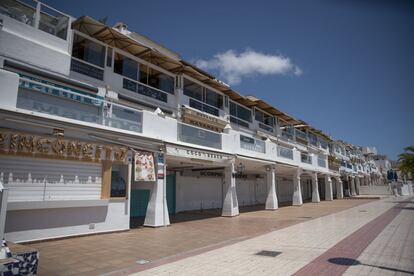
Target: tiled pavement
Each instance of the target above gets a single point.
(390, 253)
(97, 254)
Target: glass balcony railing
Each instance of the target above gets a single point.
(37, 15)
(322, 162)
(252, 144)
(199, 136)
(53, 99)
(266, 127)
(305, 158)
(287, 133)
(285, 152)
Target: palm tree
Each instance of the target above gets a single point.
(406, 161)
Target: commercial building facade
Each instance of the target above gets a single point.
(102, 129)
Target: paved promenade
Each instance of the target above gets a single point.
(191, 233)
(372, 239)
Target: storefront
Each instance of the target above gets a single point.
(62, 186)
(198, 177)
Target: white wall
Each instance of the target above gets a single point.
(26, 225)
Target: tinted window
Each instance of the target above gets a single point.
(88, 51)
(125, 66)
(214, 99)
(160, 81)
(193, 90)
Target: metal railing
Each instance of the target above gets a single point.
(284, 152)
(49, 98)
(145, 90)
(301, 137)
(199, 136)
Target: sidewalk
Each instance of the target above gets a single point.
(299, 245)
(200, 232)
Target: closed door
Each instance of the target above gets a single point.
(139, 202)
(171, 193)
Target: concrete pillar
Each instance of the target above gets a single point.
(297, 191)
(230, 204)
(157, 210)
(339, 188)
(271, 200)
(357, 185)
(352, 186)
(315, 190)
(328, 188)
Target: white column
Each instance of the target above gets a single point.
(352, 186)
(157, 211)
(328, 188)
(271, 200)
(339, 188)
(315, 190)
(230, 204)
(357, 185)
(297, 191)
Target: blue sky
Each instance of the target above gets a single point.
(345, 67)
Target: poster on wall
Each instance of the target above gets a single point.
(144, 166)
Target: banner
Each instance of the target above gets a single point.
(144, 166)
(160, 166)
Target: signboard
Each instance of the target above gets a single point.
(144, 166)
(160, 165)
(197, 154)
(19, 143)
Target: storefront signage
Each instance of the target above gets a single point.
(18, 143)
(144, 166)
(160, 165)
(196, 154)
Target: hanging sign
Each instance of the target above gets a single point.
(160, 166)
(144, 166)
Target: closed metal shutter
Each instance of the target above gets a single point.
(38, 179)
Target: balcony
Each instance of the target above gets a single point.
(38, 16)
(252, 144)
(53, 99)
(284, 152)
(144, 90)
(199, 136)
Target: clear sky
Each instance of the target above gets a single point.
(345, 67)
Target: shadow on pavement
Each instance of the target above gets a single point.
(354, 262)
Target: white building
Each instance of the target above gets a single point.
(88, 110)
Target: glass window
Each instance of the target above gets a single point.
(160, 81)
(88, 51)
(109, 57)
(193, 90)
(214, 99)
(53, 22)
(263, 118)
(125, 66)
(118, 180)
(240, 112)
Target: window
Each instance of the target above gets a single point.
(193, 90)
(109, 57)
(89, 51)
(264, 118)
(125, 66)
(118, 180)
(240, 112)
(209, 101)
(160, 81)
